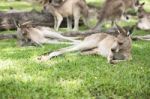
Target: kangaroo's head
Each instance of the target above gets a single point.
(23, 33)
(123, 39)
(23, 28)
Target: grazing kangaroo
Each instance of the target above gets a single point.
(114, 10)
(144, 18)
(68, 8)
(39, 35)
(115, 49)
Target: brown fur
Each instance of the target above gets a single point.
(115, 49)
(68, 8)
(28, 35)
(144, 18)
(113, 10)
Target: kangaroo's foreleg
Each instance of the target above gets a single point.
(89, 52)
(114, 58)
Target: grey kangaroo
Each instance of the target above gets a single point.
(68, 8)
(114, 48)
(144, 18)
(114, 10)
(40, 35)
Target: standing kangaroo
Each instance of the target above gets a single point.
(113, 10)
(115, 49)
(68, 8)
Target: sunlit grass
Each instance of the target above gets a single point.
(71, 76)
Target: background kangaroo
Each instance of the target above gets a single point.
(115, 49)
(113, 10)
(68, 8)
(39, 35)
(144, 18)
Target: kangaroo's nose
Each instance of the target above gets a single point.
(113, 49)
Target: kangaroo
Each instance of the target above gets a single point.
(54, 2)
(68, 8)
(39, 35)
(145, 37)
(144, 18)
(114, 10)
(114, 48)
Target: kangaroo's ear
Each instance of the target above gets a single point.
(131, 29)
(143, 4)
(120, 29)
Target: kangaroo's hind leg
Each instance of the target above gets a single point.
(69, 23)
(59, 21)
(76, 15)
(85, 45)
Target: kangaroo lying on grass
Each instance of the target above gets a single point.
(68, 8)
(39, 35)
(114, 10)
(115, 49)
(144, 18)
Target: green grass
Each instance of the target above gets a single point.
(72, 76)
(18, 5)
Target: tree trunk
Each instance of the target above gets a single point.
(37, 18)
(8, 36)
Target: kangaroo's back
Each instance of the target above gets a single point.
(111, 10)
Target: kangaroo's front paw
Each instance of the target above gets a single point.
(43, 58)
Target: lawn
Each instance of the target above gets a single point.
(71, 76)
